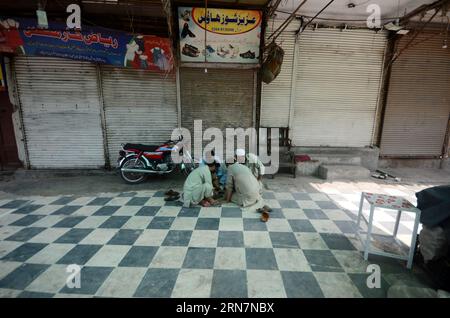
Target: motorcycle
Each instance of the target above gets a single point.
(137, 161)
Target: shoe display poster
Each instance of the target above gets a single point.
(91, 44)
(219, 35)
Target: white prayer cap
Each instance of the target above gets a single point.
(240, 152)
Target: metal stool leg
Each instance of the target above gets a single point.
(413, 241)
(397, 222)
(369, 233)
(361, 203)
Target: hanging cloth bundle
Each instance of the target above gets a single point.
(272, 64)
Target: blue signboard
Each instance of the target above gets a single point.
(92, 44)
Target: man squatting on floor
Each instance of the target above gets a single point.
(243, 181)
(198, 187)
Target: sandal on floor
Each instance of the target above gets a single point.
(265, 216)
(172, 193)
(264, 209)
(171, 197)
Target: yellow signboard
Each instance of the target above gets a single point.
(226, 21)
(219, 35)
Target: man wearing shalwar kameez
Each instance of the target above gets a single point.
(198, 187)
(242, 186)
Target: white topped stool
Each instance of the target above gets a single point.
(392, 203)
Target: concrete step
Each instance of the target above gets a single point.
(368, 156)
(308, 168)
(327, 150)
(336, 159)
(343, 172)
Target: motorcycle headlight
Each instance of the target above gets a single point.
(122, 153)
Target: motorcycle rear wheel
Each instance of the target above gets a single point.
(132, 177)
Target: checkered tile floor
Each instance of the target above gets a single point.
(137, 245)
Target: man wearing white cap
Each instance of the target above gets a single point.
(253, 163)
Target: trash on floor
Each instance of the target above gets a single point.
(380, 174)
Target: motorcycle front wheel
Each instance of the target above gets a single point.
(133, 177)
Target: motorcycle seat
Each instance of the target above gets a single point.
(149, 148)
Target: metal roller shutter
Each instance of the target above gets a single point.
(418, 103)
(276, 96)
(337, 87)
(140, 107)
(61, 112)
(222, 98)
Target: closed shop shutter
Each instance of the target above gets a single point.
(61, 112)
(222, 98)
(338, 81)
(276, 96)
(418, 102)
(140, 107)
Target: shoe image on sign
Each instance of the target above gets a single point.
(191, 47)
(222, 52)
(206, 53)
(190, 50)
(247, 55)
(191, 35)
(185, 32)
(185, 16)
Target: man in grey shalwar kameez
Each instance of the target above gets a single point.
(252, 162)
(242, 186)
